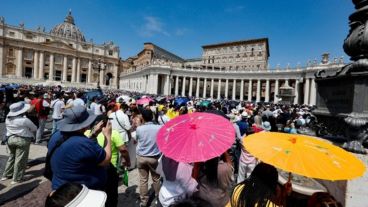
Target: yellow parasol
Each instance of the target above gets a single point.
(304, 155)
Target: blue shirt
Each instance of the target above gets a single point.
(76, 160)
(243, 127)
(146, 137)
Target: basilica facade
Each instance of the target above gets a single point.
(61, 56)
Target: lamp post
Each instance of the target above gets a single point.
(99, 65)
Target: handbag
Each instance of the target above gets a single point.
(127, 131)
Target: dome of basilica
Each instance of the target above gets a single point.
(68, 30)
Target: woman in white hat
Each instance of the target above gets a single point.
(20, 131)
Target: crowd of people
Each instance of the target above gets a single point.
(95, 140)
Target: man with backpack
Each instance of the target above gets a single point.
(42, 107)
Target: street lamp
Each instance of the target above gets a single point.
(99, 65)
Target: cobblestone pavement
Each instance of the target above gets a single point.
(34, 191)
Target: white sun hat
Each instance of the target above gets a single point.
(18, 108)
(88, 198)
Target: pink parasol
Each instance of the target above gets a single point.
(144, 100)
(195, 137)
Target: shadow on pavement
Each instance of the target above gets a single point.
(18, 191)
(35, 198)
(34, 173)
(36, 161)
(130, 198)
(2, 186)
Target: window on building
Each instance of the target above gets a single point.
(11, 34)
(69, 78)
(10, 52)
(260, 47)
(48, 40)
(28, 55)
(97, 50)
(28, 71)
(10, 69)
(252, 52)
(259, 54)
(29, 36)
(71, 45)
(111, 52)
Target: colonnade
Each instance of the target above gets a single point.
(250, 89)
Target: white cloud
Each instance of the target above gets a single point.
(152, 25)
(235, 9)
(181, 31)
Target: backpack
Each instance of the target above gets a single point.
(44, 111)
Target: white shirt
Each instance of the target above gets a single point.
(183, 186)
(99, 109)
(45, 103)
(57, 105)
(78, 101)
(92, 106)
(70, 101)
(124, 123)
(20, 126)
(162, 119)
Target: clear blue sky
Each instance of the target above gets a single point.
(298, 30)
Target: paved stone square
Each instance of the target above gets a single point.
(34, 191)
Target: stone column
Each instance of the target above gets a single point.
(197, 87)
(219, 89)
(241, 90)
(204, 88)
(35, 64)
(143, 84)
(74, 69)
(102, 78)
(2, 62)
(296, 99)
(116, 75)
(78, 70)
(276, 99)
(51, 68)
(234, 90)
(42, 65)
(306, 91)
(190, 86)
(177, 86)
(155, 83)
(258, 95)
(250, 85)
(19, 69)
(212, 85)
(183, 87)
(313, 93)
(226, 88)
(167, 85)
(65, 68)
(89, 73)
(267, 91)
